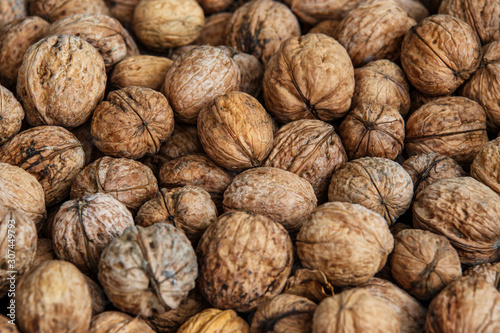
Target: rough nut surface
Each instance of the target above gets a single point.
(122, 10)
(140, 70)
(214, 31)
(44, 251)
(490, 272)
(252, 72)
(311, 284)
(485, 166)
(214, 6)
(118, 322)
(314, 11)
(215, 320)
(10, 10)
(11, 115)
(6, 325)
(53, 10)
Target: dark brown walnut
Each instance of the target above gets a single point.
(415, 9)
(450, 126)
(411, 313)
(439, 54)
(348, 242)
(284, 313)
(53, 10)
(377, 183)
(424, 169)
(258, 27)
(132, 122)
(53, 297)
(61, 81)
(97, 295)
(130, 182)
(382, 82)
(238, 269)
(423, 263)
(213, 321)
(214, 31)
(10, 10)
(141, 70)
(163, 24)
(280, 195)
(374, 30)
(465, 211)
(189, 208)
(118, 322)
(83, 134)
(397, 227)
(122, 10)
(214, 6)
(419, 99)
(105, 33)
(309, 77)
(355, 310)
(11, 115)
(327, 27)
(311, 284)
(376, 130)
(314, 11)
(48, 224)
(44, 252)
(7, 326)
(148, 271)
(83, 227)
(490, 272)
(310, 149)
(15, 39)
(469, 304)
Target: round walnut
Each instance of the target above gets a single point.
(313, 11)
(311, 284)
(214, 6)
(374, 30)
(309, 77)
(465, 211)
(10, 10)
(61, 81)
(114, 322)
(376, 130)
(311, 149)
(6, 325)
(327, 27)
(277, 194)
(439, 54)
(83, 228)
(53, 10)
(122, 10)
(130, 182)
(141, 71)
(162, 24)
(44, 252)
(258, 27)
(348, 242)
(105, 33)
(239, 270)
(450, 126)
(469, 304)
(11, 115)
(132, 122)
(214, 321)
(53, 298)
(382, 82)
(490, 272)
(251, 70)
(377, 183)
(148, 270)
(214, 31)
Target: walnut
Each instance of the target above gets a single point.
(377, 183)
(238, 270)
(277, 194)
(309, 77)
(465, 211)
(215, 320)
(451, 126)
(311, 284)
(311, 149)
(53, 297)
(11, 115)
(348, 242)
(327, 27)
(439, 54)
(176, 53)
(97, 295)
(469, 304)
(83, 134)
(61, 81)
(415, 9)
(313, 11)
(10, 10)
(7, 326)
(376, 130)
(132, 122)
(122, 10)
(114, 322)
(419, 99)
(141, 70)
(214, 31)
(126, 180)
(490, 272)
(258, 27)
(53, 10)
(44, 252)
(214, 6)
(162, 24)
(148, 270)
(251, 70)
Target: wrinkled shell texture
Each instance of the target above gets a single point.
(97, 295)
(141, 70)
(252, 73)
(451, 126)
(11, 10)
(414, 8)
(377, 183)
(53, 10)
(215, 320)
(376, 130)
(373, 31)
(61, 81)
(259, 27)
(238, 270)
(310, 77)
(439, 54)
(348, 242)
(465, 211)
(148, 270)
(53, 298)
(486, 165)
(83, 227)
(327, 27)
(161, 24)
(11, 115)
(126, 180)
(214, 31)
(311, 284)
(213, 6)
(122, 10)
(132, 122)
(118, 322)
(311, 149)
(50, 153)
(313, 11)
(183, 141)
(82, 133)
(6, 325)
(280, 195)
(490, 272)
(44, 251)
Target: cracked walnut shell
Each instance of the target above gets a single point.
(118, 322)
(11, 115)
(215, 321)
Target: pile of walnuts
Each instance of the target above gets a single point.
(202, 166)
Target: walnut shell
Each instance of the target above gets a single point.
(8, 325)
(252, 73)
(44, 252)
(83, 134)
(327, 27)
(11, 10)
(122, 10)
(490, 272)
(53, 10)
(419, 99)
(238, 270)
(214, 6)
(214, 31)
(11, 115)
(465, 211)
(118, 322)
(148, 270)
(214, 321)
(53, 298)
(311, 284)
(415, 9)
(97, 295)
(140, 70)
(310, 77)
(313, 11)
(132, 122)
(439, 54)
(61, 81)
(377, 183)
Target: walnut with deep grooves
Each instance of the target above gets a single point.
(11, 115)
